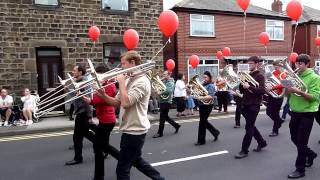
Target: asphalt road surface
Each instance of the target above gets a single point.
(42, 157)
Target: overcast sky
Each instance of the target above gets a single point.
(262, 3)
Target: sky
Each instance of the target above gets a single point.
(262, 3)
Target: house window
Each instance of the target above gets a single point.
(202, 25)
(206, 64)
(46, 2)
(318, 31)
(120, 5)
(275, 29)
(112, 53)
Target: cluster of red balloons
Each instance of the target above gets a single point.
(264, 38)
(294, 10)
(293, 57)
(226, 51)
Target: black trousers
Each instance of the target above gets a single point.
(204, 112)
(273, 111)
(130, 153)
(300, 129)
(100, 145)
(181, 104)
(317, 116)
(250, 113)
(164, 110)
(222, 100)
(238, 114)
(81, 130)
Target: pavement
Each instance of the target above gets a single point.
(62, 123)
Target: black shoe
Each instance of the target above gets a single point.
(260, 146)
(236, 126)
(216, 136)
(199, 144)
(296, 174)
(241, 155)
(99, 178)
(71, 147)
(310, 159)
(105, 155)
(319, 141)
(73, 162)
(157, 135)
(177, 129)
(273, 134)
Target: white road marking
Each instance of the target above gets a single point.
(189, 158)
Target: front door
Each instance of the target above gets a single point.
(49, 67)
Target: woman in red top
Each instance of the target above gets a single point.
(107, 119)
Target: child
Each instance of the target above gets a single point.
(189, 103)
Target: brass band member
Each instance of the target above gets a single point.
(303, 107)
(274, 104)
(250, 108)
(165, 104)
(205, 110)
(133, 97)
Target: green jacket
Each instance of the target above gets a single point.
(299, 103)
(168, 92)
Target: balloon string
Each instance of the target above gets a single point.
(168, 41)
(244, 30)
(266, 49)
(294, 37)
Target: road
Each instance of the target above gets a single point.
(38, 157)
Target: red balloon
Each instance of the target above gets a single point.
(168, 22)
(226, 51)
(244, 4)
(317, 41)
(170, 64)
(94, 33)
(131, 38)
(219, 54)
(293, 57)
(194, 61)
(294, 9)
(264, 38)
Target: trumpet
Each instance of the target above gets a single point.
(271, 81)
(157, 84)
(197, 90)
(97, 78)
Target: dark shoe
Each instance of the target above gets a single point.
(199, 144)
(105, 155)
(177, 129)
(260, 146)
(157, 135)
(73, 162)
(310, 159)
(273, 134)
(296, 174)
(319, 141)
(183, 115)
(241, 155)
(99, 178)
(71, 147)
(236, 126)
(216, 136)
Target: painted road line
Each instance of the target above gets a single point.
(189, 158)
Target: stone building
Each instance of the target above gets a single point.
(41, 39)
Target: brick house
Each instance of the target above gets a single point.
(206, 27)
(41, 39)
(308, 29)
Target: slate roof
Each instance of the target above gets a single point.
(309, 14)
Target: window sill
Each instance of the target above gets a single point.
(115, 12)
(46, 7)
(276, 39)
(198, 36)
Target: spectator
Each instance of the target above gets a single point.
(190, 103)
(5, 106)
(180, 94)
(222, 94)
(29, 105)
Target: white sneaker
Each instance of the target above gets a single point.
(29, 122)
(5, 123)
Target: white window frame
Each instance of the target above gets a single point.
(318, 31)
(213, 32)
(204, 65)
(272, 38)
(111, 9)
(43, 4)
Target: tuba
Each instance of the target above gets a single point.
(231, 78)
(197, 90)
(271, 81)
(293, 77)
(157, 84)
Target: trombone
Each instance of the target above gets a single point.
(98, 79)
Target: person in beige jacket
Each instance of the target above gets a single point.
(133, 97)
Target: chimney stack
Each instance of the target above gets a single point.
(276, 6)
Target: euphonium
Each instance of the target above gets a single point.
(157, 84)
(293, 77)
(271, 81)
(245, 77)
(231, 78)
(197, 90)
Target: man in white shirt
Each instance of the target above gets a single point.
(5, 106)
